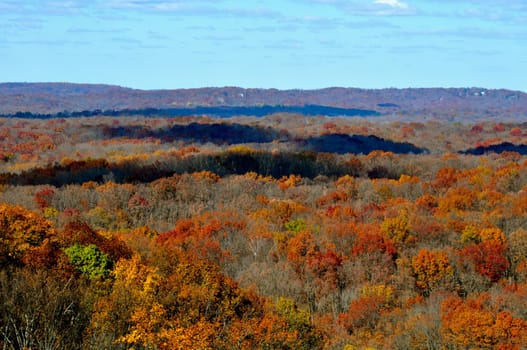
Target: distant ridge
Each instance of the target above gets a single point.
(52, 98)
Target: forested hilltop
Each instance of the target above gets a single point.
(279, 231)
(442, 103)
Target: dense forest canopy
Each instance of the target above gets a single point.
(281, 231)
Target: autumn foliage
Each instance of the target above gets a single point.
(121, 233)
(479, 322)
(431, 268)
(22, 232)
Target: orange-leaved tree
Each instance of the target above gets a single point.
(477, 323)
(21, 231)
(430, 269)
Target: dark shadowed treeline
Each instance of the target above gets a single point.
(307, 164)
(218, 111)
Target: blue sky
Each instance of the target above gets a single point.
(305, 44)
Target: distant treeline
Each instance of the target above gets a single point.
(218, 111)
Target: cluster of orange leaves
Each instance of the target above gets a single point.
(478, 322)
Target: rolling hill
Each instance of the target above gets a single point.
(442, 103)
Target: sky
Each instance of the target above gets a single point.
(283, 44)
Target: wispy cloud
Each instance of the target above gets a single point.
(45, 7)
(6, 6)
(65, 7)
(16, 26)
(508, 12)
(462, 33)
(51, 43)
(192, 8)
(368, 8)
(148, 4)
(392, 8)
(392, 3)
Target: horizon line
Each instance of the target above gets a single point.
(255, 88)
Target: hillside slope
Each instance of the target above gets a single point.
(46, 98)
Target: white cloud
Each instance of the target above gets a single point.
(381, 8)
(396, 4)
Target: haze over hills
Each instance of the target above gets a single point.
(443, 103)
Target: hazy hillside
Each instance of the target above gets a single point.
(432, 102)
